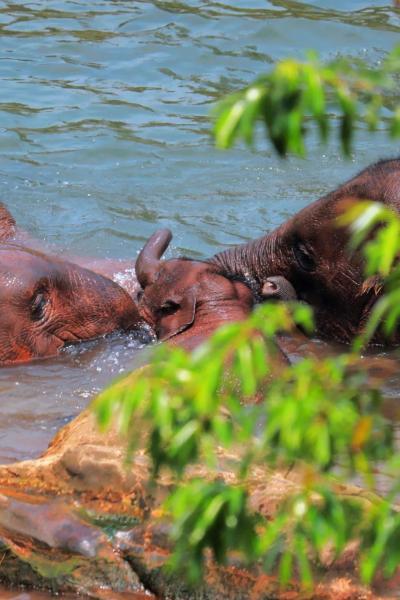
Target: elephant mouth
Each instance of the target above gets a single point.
(147, 315)
(254, 285)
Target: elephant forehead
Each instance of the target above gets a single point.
(181, 271)
(320, 231)
(22, 268)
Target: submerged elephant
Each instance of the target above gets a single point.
(46, 302)
(186, 300)
(310, 251)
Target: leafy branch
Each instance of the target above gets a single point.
(295, 94)
(319, 412)
(376, 229)
(234, 394)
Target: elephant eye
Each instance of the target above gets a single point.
(169, 307)
(303, 257)
(38, 305)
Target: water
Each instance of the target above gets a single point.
(105, 136)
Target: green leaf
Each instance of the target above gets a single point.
(228, 124)
(286, 568)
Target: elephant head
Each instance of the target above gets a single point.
(311, 251)
(186, 300)
(46, 303)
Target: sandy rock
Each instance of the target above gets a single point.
(78, 519)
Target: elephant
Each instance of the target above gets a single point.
(185, 300)
(46, 302)
(122, 271)
(310, 250)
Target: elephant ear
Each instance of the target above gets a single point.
(7, 224)
(180, 319)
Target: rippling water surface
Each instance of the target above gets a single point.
(105, 136)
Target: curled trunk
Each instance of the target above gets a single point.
(148, 261)
(255, 261)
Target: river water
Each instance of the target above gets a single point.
(105, 136)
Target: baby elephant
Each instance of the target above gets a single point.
(186, 300)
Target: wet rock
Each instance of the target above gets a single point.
(78, 519)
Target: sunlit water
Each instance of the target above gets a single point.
(105, 136)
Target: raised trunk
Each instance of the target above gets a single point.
(148, 261)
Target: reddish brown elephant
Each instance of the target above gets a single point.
(46, 303)
(187, 300)
(122, 271)
(311, 252)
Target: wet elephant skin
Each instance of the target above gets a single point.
(185, 301)
(46, 303)
(311, 251)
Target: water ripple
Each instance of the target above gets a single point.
(105, 136)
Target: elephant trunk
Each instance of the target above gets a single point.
(255, 261)
(148, 261)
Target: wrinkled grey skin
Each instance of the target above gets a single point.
(311, 251)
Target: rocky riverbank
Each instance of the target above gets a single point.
(79, 520)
